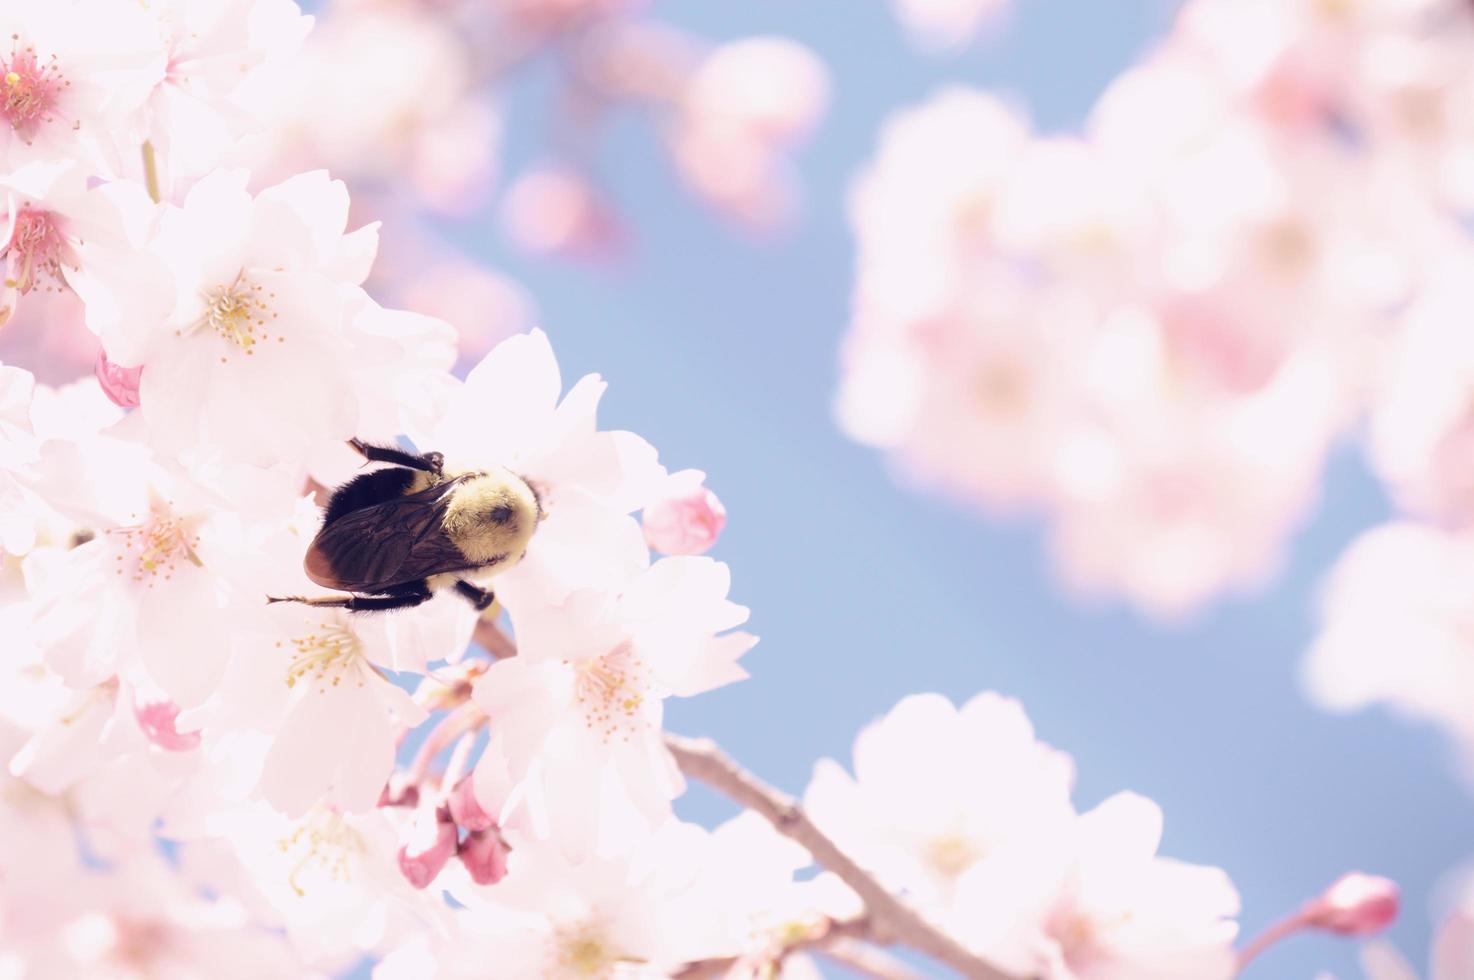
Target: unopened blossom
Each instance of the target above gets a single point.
(240, 323)
(1355, 905)
(1002, 818)
(588, 481)
(585, 695)
(120, 384)
(685, 518)
(430, 841)
(484, 854)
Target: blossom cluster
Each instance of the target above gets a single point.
(200, 780)
(1154, 331)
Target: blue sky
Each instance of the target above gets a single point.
(722, 351)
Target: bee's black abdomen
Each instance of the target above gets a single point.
(368, 489)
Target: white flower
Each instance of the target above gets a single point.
(212, 90)
(1121, 912)
(247, 347)
(1002, 813)
(576, 715)
(329, 879)
(315, 682)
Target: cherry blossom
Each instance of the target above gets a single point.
(585, 696)
(252, 293)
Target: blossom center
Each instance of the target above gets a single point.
(582, 951)
(154, 549)
(952, 853)
(36, 248)
(1001, 387)
(30, 88)
(611, 691)
(238, 313)
(324, 656)
(323, 842)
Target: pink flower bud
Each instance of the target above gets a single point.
(688, 517)
(399, 791)
(466, 809)
(1356, 905)
(156, 721)
(484, 854)
(120, 384)
(429, 842)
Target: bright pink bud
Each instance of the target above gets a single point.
(687, 519)
(119, 383)
(1356, 905)
(429, 842)
(466, 810)
(399, 791)
(484, 854)
(156, 721)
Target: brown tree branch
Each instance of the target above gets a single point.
(893, 920)
(888, 919)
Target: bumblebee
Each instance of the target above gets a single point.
(396, 536)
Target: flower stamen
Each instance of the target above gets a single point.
(31, 88)
(325, 656)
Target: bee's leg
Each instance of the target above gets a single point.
(429, 462)
(401, 598)
(478, 597)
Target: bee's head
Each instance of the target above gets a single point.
(491, 517)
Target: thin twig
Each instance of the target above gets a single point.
(894, 921)
(868, 960)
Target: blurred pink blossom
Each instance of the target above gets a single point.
(744, 105)
(558, 212)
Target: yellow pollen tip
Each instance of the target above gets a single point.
(12, 79)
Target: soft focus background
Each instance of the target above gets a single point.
(721, 349)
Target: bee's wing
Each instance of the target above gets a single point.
(399, 540)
